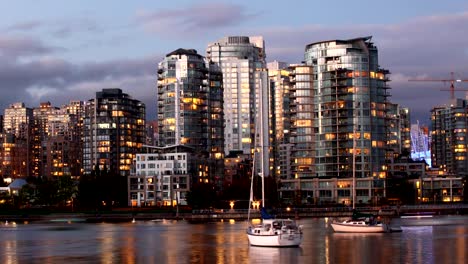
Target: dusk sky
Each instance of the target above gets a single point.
(59, 51)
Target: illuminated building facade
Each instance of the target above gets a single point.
(163, 175)
(17, 141)
(350, 94)
(17, 119)
(113, 131)
(339, 94)
(449, 137)
(62, 145)
(40, 128)
(405, 129)
(56, 140)
(298, 185)
(245, 83)
(399, 128)
(280, 119)
(190, 109)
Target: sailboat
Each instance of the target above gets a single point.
(271, 232)
(359, 222)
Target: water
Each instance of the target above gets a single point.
(441, 239)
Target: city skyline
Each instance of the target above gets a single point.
(70, 55)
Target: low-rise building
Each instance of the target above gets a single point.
(163, 176)
(337, 191)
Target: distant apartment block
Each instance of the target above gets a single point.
(113, 131)
(449, 139)
(56, 141)
(17, 141)
(190, 108)
(398, 131)
(163, 175)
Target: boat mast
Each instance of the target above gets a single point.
(262, 156)
(251, 186)
(354, 166)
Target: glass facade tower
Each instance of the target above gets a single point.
(190, 108)
(280, 124)
(449, 137)
(245, 82)
(350, 99)
(113, 131)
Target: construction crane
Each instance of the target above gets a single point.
(452, 81)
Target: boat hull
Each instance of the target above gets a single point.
(280, 240)
(350, 228)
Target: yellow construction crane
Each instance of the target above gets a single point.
(452, 81)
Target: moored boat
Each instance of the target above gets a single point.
(358, 223)
(275, 233)
(359, 226)
(270, 232)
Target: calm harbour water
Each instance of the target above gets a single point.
(442, 239)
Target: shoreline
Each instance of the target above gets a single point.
(195, 216)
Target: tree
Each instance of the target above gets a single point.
(6, 200)
(67, 189)
(102, 189)
(202, 195)
(47, 192)
(88, 191)
(27, 195)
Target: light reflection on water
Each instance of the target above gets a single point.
(226, 242)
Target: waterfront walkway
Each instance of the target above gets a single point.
(383, 211)
(236, 214)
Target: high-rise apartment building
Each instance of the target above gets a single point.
(338, 104)
(399, 128)
(113, 131)
(405, 129)
(350, 99)
(245, 83)
(17, 120)
(190, 109)
(280, 119)
(449, 139)
(17, 141)
(56, 140)
(40, 128)
(301, 104)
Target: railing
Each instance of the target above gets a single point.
(325, 210)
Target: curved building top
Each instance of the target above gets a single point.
(340, 41)
(188, 52)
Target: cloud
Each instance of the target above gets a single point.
(65, 28)
(61, 28)
(12, 47)
(25, 26)
(40, 92)
(47, 78)
(424, 47)
(430, 46)
(193, 19)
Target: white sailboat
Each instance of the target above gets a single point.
(271, 232)
(358, 223)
